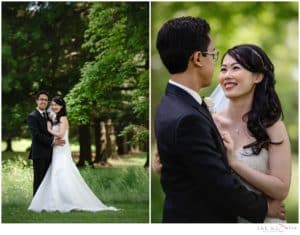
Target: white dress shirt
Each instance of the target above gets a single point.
(191, 92)
(41, 112)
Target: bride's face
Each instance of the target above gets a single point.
(235, 80)
(55, 107)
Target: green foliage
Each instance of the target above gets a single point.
(42, 50)
(114, 82)
(140, 134)
(96, 53)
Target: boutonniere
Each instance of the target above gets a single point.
(209, 103)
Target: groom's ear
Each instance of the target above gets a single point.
(196, 58)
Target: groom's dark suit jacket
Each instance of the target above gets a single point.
(41, 147)
(196, 178)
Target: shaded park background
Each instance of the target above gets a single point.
(95, 55)
(271, 25)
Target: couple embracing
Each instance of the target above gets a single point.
(57, 183)
(230, 166)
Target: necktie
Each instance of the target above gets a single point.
(45, 115)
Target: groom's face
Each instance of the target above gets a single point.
(42, 101)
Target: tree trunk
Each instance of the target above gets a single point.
(112, 140)
(102, 157)
(97, 141)
(122, 144)
(146, 146)
(108, 140)
(85, 145)
(9, 145)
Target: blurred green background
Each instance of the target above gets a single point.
(271, 25)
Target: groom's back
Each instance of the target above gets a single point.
(185, 200)
(174, 175)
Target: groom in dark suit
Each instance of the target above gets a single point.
(42, 140)
(198, 183)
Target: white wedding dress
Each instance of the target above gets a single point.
(63, 188)
(260, 163)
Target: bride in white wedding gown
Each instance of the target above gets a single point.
(250, 115)
(63, 189)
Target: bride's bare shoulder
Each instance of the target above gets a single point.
(64, 120)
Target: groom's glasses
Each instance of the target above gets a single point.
(214, 54)
(41, 99)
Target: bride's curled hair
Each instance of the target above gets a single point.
(63, 112)
(266, 108)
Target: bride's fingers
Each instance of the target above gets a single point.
(282, 216)
(226, 137)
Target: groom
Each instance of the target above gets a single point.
(198, 183)
(42, 140)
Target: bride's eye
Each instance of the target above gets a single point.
(223, 69)
(236, 67)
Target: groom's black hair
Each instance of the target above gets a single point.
(179, 38)
(42, 92)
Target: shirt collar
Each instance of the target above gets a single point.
(40, 111)
(191, 92)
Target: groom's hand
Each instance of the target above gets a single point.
(59, 141)
(276, 209)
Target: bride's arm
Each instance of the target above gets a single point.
(276, 183)
(62, 129)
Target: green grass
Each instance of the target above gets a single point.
(130, 213)
(125, 186)
(291, 202)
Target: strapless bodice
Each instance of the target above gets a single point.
(258, 162)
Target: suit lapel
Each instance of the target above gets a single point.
(41, 118)
(209, 117)
(189, 100)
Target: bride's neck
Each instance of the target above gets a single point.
(237, 108)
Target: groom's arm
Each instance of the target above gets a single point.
(36, 134)
(200, 155)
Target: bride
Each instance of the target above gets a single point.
(261, 154)
(63, 189)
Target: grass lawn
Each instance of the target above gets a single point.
(124, 185)
(129, 213)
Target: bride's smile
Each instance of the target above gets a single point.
(55, 107)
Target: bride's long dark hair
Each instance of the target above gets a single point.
(63, 112)
(266, 108)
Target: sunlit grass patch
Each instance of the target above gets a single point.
(123, 187)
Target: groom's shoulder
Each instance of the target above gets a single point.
(175, 110)
(33, 113)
